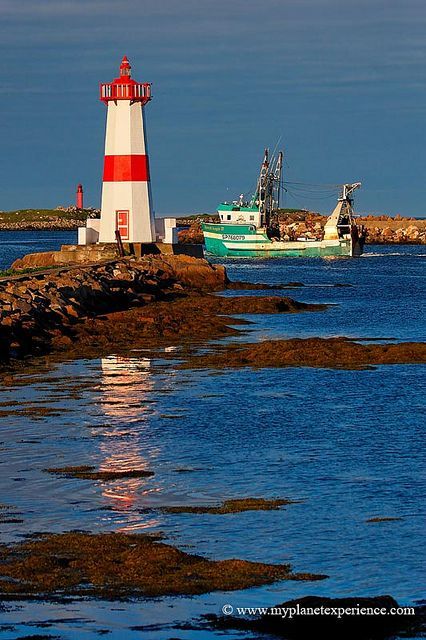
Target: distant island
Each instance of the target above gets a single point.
(381, 229)
(59, 219)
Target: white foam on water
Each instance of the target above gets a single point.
(383, 255)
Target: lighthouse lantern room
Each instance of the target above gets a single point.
(126, 188)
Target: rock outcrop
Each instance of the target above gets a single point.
(38, 309)
(69, 254)
(190, 318)
(85, 254)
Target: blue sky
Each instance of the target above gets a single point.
(342, 82)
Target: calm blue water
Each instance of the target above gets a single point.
(15, 244)
(348, 443)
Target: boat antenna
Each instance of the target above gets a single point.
(277, 179)
(276, 145)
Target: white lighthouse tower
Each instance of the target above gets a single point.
(126, 189)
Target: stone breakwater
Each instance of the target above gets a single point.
(38, 310)
(394, 232)
(380, 230)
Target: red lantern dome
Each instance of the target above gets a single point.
(125, 88)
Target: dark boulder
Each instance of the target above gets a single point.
(374, 618)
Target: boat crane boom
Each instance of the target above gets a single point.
(347, 189)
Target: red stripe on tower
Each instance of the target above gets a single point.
(126, 168)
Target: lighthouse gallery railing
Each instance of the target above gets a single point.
(137, 92)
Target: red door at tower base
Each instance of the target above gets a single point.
(122, 223)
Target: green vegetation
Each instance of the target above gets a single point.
(41, 215)
(7, 273)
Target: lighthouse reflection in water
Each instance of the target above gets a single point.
(125, 391)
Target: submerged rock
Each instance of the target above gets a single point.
(233, 506)
(117, 565)
(310, 352)
(253, 286)
(86, 472)
(188, 318)
(383, 519)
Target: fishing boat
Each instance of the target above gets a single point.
(251, 228)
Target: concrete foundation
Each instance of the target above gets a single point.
(143, 249)
(90, 233)
(166, 230)
(85, 254)
(108, 250)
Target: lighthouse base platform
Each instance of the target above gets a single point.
(94, 253)
(164, 230)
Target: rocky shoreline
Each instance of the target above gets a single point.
(40, 309)
(84, 309)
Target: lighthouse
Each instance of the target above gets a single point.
(126, 189)
(79, 197)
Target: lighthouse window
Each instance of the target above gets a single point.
(228, 217)
(251, 217)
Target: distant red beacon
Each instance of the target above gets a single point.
(79, 197)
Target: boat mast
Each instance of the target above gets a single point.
(262, 187)
(272, 200)
(268, 191)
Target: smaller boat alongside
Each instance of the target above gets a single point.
(251, 229)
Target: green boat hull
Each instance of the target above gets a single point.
(245, 241)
